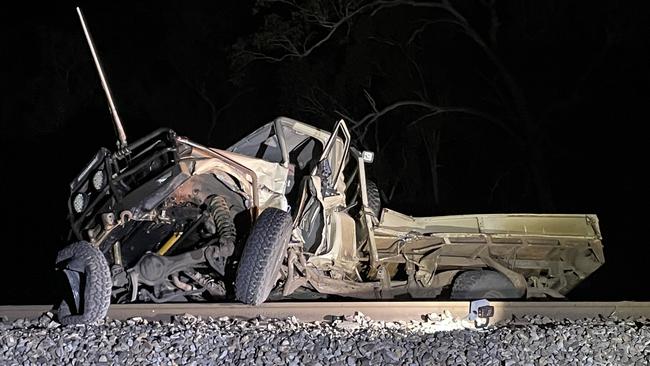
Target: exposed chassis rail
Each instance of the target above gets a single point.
(385, 310)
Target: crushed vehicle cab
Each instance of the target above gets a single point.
(287, 212)
(344, 244)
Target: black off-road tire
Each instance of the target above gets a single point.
(262, 256)
(374, 198)
(483, 284)
(96, 284)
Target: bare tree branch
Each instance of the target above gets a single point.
(327, 17)
(332, 26)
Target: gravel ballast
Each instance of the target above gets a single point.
(356, 340)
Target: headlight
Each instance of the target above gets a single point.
(79, 202)
(99, 180)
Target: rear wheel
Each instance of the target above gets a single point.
(262, 256)
(87, 284)
(483, 284)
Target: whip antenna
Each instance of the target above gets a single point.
(121, 135)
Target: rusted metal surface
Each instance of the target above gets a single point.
(387, 311)
(234, 165)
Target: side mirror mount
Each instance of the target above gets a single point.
(368, 157)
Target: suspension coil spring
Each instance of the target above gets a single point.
(220, 211)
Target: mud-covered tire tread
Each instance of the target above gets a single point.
(374, 199)
(483, 284)
(97, 293)
(262, 256)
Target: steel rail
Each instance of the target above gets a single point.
(385, 310)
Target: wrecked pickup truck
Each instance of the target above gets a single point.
(288, 212)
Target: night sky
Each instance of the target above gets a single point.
(504, 106)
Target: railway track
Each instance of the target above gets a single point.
(386, 310)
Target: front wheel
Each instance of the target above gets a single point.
(87, 284)
(262, 256)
